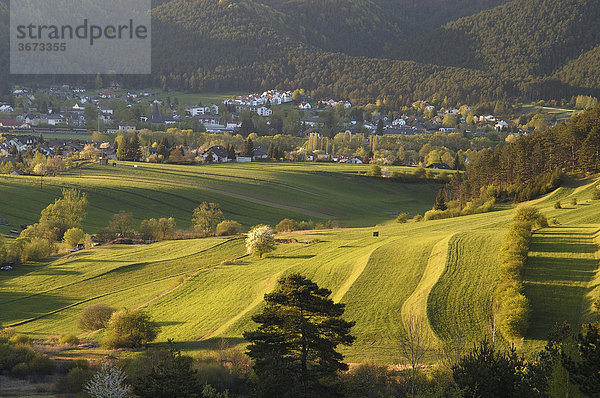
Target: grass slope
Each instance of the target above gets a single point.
(205, 290)
(562, 263)
(248, 193)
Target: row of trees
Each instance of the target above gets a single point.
(511, 308)
(59, 228)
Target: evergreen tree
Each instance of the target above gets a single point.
(135, 152)
(585, 370)
(247, 148)
(171, 376)
(294, 347)
(379, 130)
(440, 201)
(231, 152)
(487, 373)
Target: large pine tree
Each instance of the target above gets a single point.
(294, 347)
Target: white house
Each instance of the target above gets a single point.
(399, 122)
(198, 110)
(264, 111)
(305, 106)
(354, 160)
(216, 154)
(286, 97)
(6, 108)
(501, 125)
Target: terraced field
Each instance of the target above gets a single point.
(442, 271)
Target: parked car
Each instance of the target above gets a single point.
(6, 268)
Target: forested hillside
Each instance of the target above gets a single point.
(521, 39)
(532, 165)
(368, 50)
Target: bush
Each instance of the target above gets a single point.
(68, 339)
(332, 224)
(287, 225)
(73, 237)
(402, 218)
(36, 249)
(530, 214)
(417, 218)
(74, 381)
(229, 228)
(596, 194)
(374, 171)
(574, 201)
(130, 329)
(557, 205)
(20, 339)
(95, 316)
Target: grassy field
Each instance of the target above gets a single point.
(561, 114)
(206, 290)
(248, 193)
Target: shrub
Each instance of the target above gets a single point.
(530, 214)
(374, 171)
(286, 225)
(402, 218)
(68, 339)
(306, 225)
(574, 201)
(596, 194)
(36, 249)
(417, 218)
(74, 381)
(95, 316)
(73, 236)
(557, 205)
(130, 329)
(20, 339)
(332, 224)
(228, 228)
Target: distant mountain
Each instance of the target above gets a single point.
(518, 40)
(394, 51)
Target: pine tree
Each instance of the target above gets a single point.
(440, 201)
(379, 130)
(248, 148)
(294, 347)
(172, 376)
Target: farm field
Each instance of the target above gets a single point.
(248, 193)
(202, 291)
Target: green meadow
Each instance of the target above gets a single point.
(206, 290)
(248, 193)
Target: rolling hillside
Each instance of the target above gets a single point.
(250, 194)
(444, 271)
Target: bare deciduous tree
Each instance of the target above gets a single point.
(414, 344)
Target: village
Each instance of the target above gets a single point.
(280, 125)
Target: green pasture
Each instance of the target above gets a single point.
(202, 291)
(248, 193)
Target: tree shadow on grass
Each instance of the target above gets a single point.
(20, 306)
(211, 344)
(304, 256)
